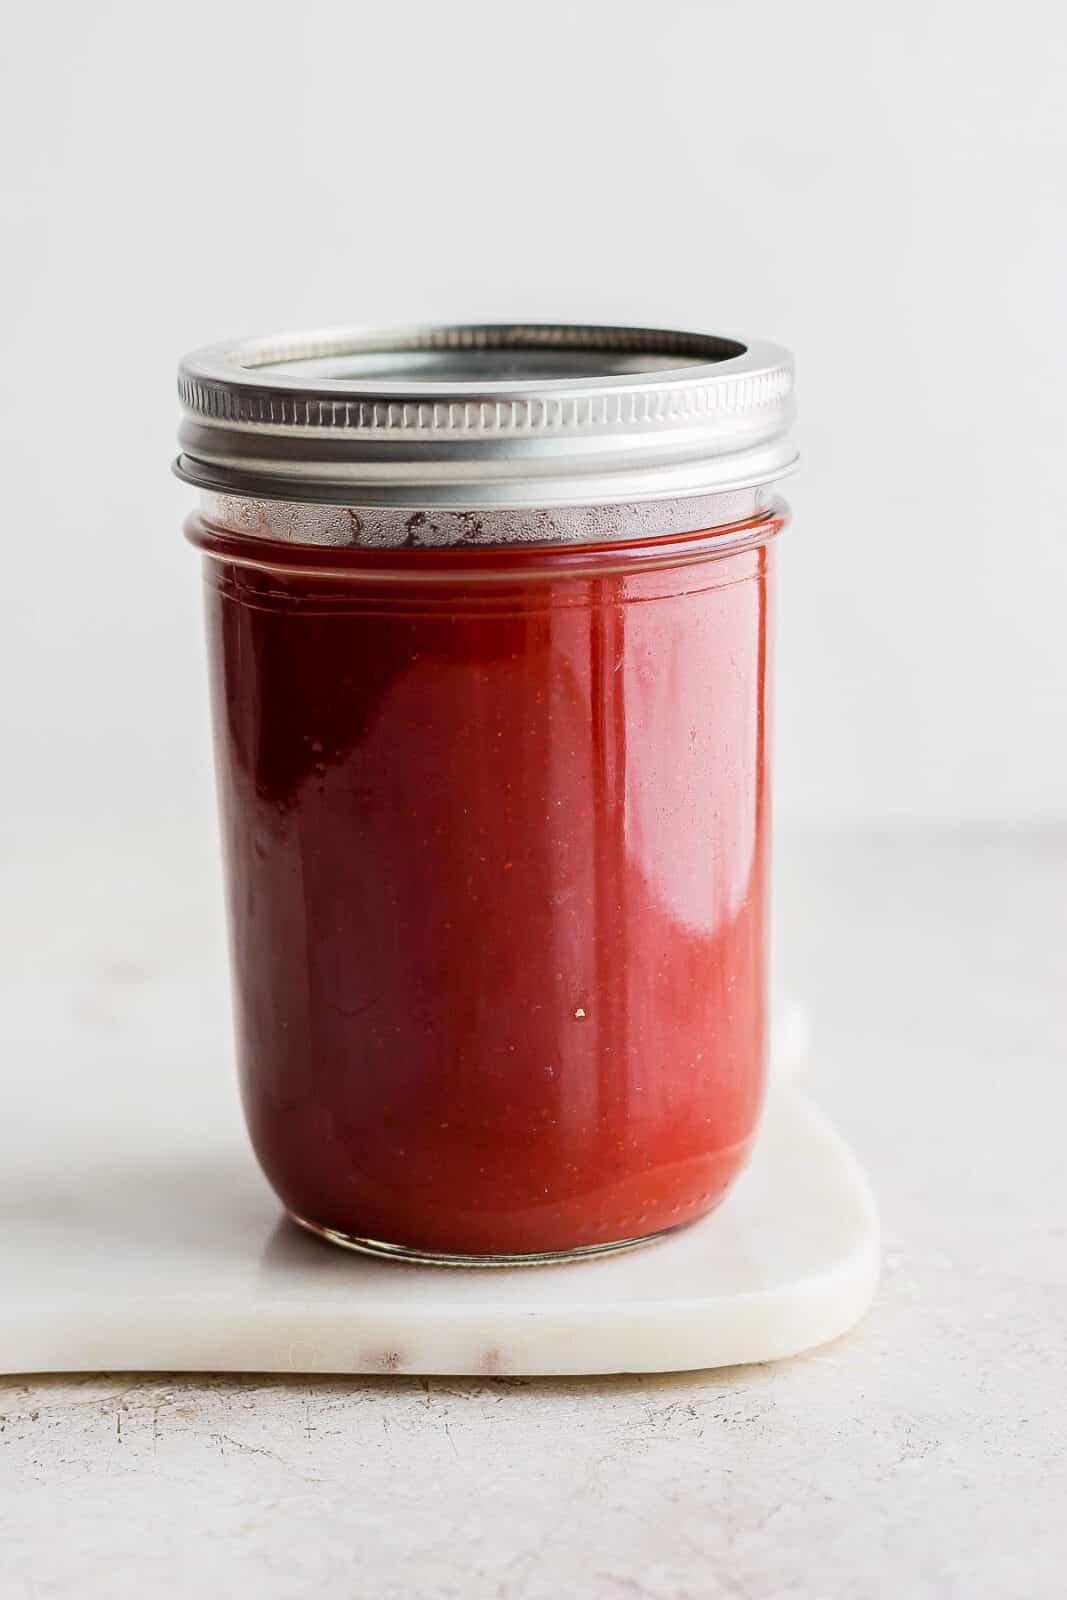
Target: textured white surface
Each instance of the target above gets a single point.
(922, 1455)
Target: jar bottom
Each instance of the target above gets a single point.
(448, 1258)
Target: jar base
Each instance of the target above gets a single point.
(449, 1258)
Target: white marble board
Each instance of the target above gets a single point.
(121, 1257)
(136, 1232)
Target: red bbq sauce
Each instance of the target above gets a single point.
(496, 828)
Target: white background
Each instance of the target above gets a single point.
(880, 188)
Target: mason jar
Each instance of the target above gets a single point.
(489, 623)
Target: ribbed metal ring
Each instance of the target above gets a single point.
(508, 415)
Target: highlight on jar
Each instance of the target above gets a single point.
(489, 620)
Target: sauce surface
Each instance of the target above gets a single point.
(496, 831)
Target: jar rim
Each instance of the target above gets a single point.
(485, 415)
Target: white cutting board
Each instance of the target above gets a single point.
(176, 1258)
(136, 1232)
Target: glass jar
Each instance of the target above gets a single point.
(488, 620)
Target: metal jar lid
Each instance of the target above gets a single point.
(504, 415)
